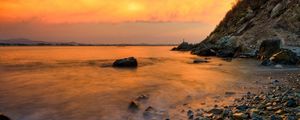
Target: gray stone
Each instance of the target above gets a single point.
(276, 10)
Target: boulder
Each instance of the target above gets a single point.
(268, 48)
(225, 53)
(184, 46)
(204, 52)
(248, 54)
(284, 57)
(229, 52)
(130, 62)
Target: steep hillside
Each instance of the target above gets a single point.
(252, 21)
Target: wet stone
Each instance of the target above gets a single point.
(190, 113)
(133, 106)
(291, 103)
(242, 107)
(142, 97)
(240, 116)
(216, 111)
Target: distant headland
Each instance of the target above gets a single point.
(28, 42)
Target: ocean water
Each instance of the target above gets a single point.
(78, 83)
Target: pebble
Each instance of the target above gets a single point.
(279, 111)
(242, 107)
(190, 113)
(279, 102)
(229, 93)
(240, 116)
(216, 111)
(291, 103)
(275, 81)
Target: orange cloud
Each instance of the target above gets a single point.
(113, 11)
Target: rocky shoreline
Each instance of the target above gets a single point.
(279, 101)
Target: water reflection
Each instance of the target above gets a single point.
(73, 83)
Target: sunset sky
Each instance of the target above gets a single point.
(111, 21)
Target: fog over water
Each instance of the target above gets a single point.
(77, 83)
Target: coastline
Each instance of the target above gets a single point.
(277, 99)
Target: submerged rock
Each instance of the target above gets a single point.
(152, 113)
(130, 62)
(200, 61)
(142, 97)
(133, 106)
(149, 112)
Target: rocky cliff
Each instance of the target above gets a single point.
(252, 21)
(266, 29)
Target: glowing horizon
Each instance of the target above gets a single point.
(79, 12)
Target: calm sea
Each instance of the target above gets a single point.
(77, 83)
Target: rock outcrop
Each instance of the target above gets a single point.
(184, 46)
(252, 21)
(248, 24)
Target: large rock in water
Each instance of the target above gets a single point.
(268, 48)
(285, 57)
(130, 62)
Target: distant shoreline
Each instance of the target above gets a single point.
(121, 45)
(28, 42)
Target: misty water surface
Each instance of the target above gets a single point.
(77, 83)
